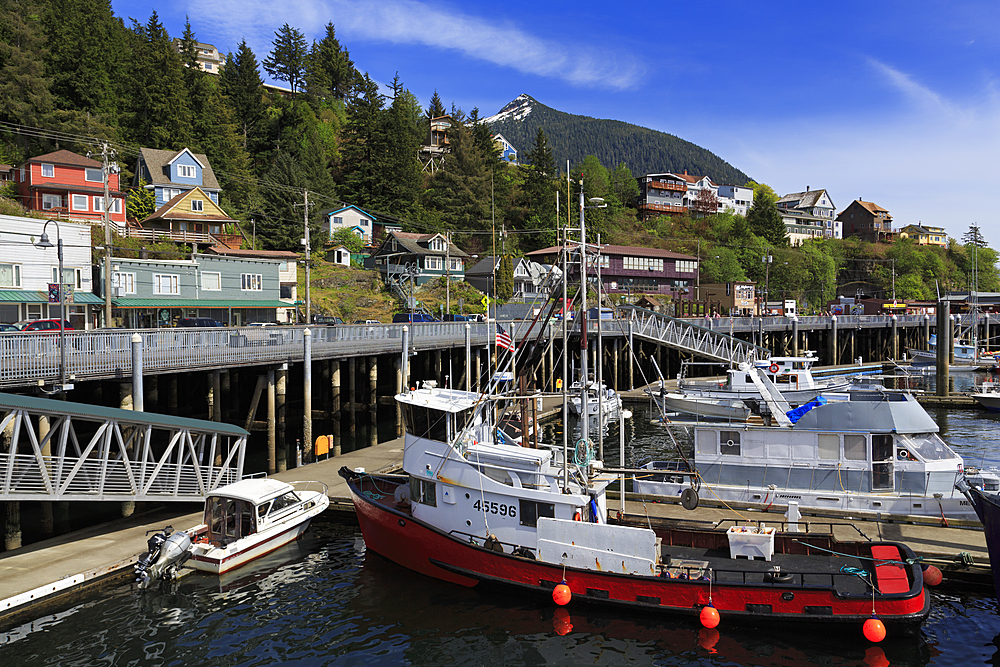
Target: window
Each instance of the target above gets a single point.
(51, 201)
(437, 244)
(94, 175)
(365, 222)
(531, 512)
(123, 282)
(729, 443)
(423, 491)
(432, 263)
(455, 265)
(10, 275)
(855, 447)
(165, 283)
(829, 446)
(211, 281)
(116, 205)
(198, 205)
(250, 282)
(79, 202)
(170, 193)
(70, 276)
(338, 221)
(208, 67)
(215, 229)
(686, 267)
(48, 170)
(186, 171)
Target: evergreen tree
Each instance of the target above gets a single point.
(974, 236)
(436, 108)
(24, 88)
(140, 202)
(763, 219)
(402, 164)
(540, 192)
(159, 116)
(460, 190)
(244, 91)
(331, 72)
(365, 147)
(289, 56)
(280, 227)
(505, 278)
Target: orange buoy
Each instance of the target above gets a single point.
(576, 516)
(873, 629)
(932, 575)
(561, 622)
(709, 616)
(708, 638)
(561, 594)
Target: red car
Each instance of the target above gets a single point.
(46, 326)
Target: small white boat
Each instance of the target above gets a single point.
(601, 401)
(791, 375)
(701, 406)
(966, 357)
(242, 521)
(988, 397)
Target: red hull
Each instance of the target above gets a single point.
(420, 547)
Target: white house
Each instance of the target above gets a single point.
(809, 214)
(26, 271)
(353, 218)
(339, 255)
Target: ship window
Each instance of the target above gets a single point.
(706, 442)
(423, 491)
(927, 446)
(881, 447)
(532, 511)
(284, 501)
(425, 422)
(729, 443)
(231, 518)
(829, 446)
(855, 448)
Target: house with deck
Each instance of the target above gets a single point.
(69, 186)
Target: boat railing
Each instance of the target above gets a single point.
(310, 485)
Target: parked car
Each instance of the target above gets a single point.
(367, 322)
(39, 326)
(327, 319)
(449, 317)
(8, 327)
(411, 318)
(199, 322)
(262, 324)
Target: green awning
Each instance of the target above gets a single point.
(40, 296)
(197, 303)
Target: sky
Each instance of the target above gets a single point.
(892, 102)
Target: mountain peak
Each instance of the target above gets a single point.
(516, 110)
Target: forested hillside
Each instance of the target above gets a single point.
(613, 142)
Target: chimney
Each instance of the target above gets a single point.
(807, 188)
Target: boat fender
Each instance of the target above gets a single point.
(594, 517)
(402, 494)
(493, 544)
(576, 515)
(689, 499)
(665, 574)
(523, 552)
(778, 577)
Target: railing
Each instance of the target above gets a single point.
(668, 185)
(684, 335)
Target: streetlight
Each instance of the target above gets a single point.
(767, 260)
(44, 242)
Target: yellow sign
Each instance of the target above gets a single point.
(486, 301)
(558, 384)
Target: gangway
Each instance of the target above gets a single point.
(688, 337)
(59, 450)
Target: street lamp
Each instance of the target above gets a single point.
(44, 242)
(767, 261)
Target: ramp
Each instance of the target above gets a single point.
(58, 450)
(693, 339)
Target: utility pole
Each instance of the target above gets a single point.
(447, 272)
(107, 238)
(305, 242)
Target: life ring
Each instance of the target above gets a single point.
(774, 368)
(576, 516)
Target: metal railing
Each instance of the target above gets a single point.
(684, 335)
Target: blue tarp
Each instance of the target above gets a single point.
(797, 413)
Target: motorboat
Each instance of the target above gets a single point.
(242, 521)
(966, 356)
(987, 396)
(792, 375)
(987, 506)
(601, 400)
(472, 511)
(699, 406)
(866, 453)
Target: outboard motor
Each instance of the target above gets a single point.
(168, 550)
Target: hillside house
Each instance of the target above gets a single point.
(436, 145)
(808, 215)
(425, 256)
(170, 173)
(925, 235)
(66, 185)
(288, 278)
(190, 217)
(208, 57)
(353, 218)
(680, 194)
(867, 221)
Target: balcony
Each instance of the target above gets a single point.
(662, 208)
(667, 185)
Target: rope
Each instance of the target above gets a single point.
(908, 561)
(728, 506)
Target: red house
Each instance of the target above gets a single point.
(67, 185)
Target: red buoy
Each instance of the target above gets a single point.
(709, 616)
(873, 629)
(561, 594)
(561, 622)
(932, 575)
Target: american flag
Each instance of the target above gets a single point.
(504, 340)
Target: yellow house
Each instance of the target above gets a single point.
(191, 216)
(925, 235)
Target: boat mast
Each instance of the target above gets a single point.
(599, 358)
(584, 352)
(565, 356)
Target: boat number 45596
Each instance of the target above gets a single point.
(494, 508)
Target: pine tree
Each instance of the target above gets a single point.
(365, 147)
(244, 91)
(436, 108)
(539, 192)
(24, 88)
(288, 58)
(403, 141)
(331, 72)
(974, 237)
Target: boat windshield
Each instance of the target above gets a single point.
(928, 446)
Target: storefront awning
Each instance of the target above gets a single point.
(197, 303)
(41, 296)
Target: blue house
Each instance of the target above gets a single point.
(170, 173)
(507, 152)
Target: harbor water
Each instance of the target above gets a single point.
(326, 600)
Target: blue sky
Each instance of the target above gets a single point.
(893, 102)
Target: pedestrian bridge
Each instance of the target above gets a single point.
(58, 450)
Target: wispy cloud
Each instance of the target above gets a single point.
(501, 43)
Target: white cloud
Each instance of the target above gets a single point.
(434, 26)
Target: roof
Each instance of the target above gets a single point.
(344, 208)
(805, 199)
(412, 243)
(262, 254)
(650, 299)
(485, 267)
(156, 160)
(72, 187)
(195, 303)
(621, 250)
(167, 212)
(255, 490)
(16, 401)
(871, 206)
(67, 157)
